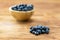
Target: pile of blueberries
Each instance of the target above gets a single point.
(39, 29)
(23, 7)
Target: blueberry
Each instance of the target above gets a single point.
(25, 9)
(32, 28)
(47, 31)
(14, 8)
(43, 27)
(23, 5)
(43, 31)
(39, 27)
(19, 9)
(47, 28)
(39, 31)
(30, 7)
(33, 32)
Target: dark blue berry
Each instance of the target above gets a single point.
(19, 9)
(14, 8)
(46, 28)
(25, 9)
(30, 7)
(39, 27)
(43, 31)
(39, 31)
(22, 5)
(35, 27)
(33, 32)
(47, 31)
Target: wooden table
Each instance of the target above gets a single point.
(47, 12)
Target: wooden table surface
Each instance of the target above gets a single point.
(47, 12)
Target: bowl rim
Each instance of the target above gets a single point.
(10, 9)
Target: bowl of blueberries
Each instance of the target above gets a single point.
(22, 12)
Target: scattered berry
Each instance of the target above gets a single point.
(37, 33)
(47, 31)
(43, 31)
(39, 29)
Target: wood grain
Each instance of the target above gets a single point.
(47, 12)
